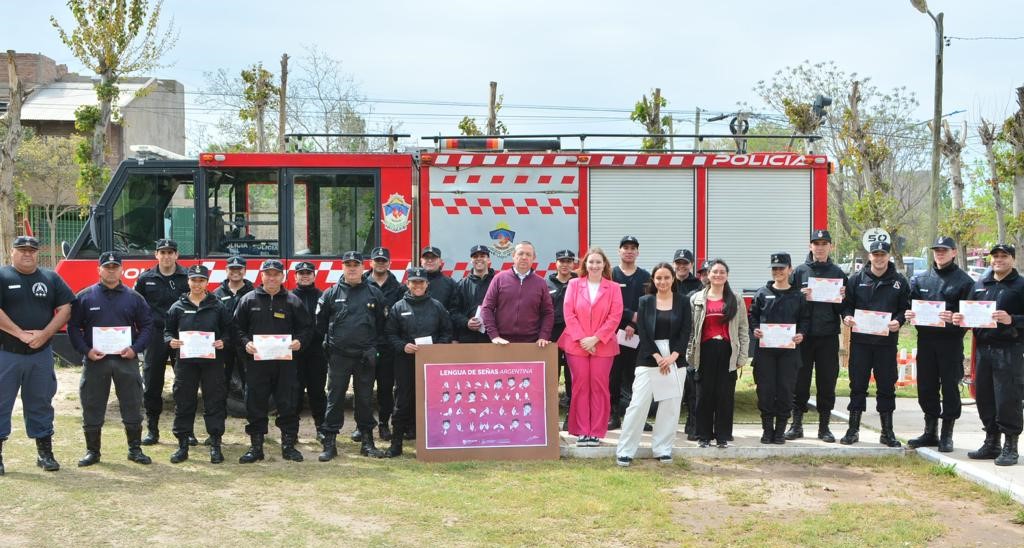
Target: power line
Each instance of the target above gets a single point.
(973, 38)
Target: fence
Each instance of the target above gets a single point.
(69, 226)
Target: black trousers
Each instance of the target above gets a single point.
(385, 373)
(94, 391)
(818, 355)
(775, 373)
(620, 381)
(563, 364)
(940, 368)
(405, 390)
(234, 360)
(690, 393)
(265, 379)
(153, 367)
(188, 377)
(999, 387)
(361, 369)
(311, 369)
(716, 391)
(868, 358)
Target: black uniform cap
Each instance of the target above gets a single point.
(305, 266)
(683, 255)
(166, 243)
(26, 241)
(352, 256)
(877, 246)
(416, 273)
(430, 250)
(110, 257)
(821, 234)
(781, 259)
(380, 253)
(272, 264)
(565, 254)
(236, 262)
(1005, 248)
(198, 271)
(629, 240)
(944, 242)
(479, 249)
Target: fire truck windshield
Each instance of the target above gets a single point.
(153, 206)
(243, 212)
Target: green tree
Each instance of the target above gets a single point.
(648, 114)
(47, 165)
(469, 127)
(10, 130)
(260, 95)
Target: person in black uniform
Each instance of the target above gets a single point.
(632, 279)
(270, 310)
(819, 352)
(310, 362)
(350, 317)
(231, 290)
(198, 310)
(160, 286)
(999, 361)
(110, 304)
(416, 315)
(34, 304)
(775, 368)
(940, 350)
(877, 287)
(442, 288)
(558, 281)
(687, 283)
(469, 295)
(380, 276)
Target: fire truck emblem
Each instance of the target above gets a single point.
(396, 213)
(504, 240)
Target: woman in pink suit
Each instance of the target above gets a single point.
(593, 309)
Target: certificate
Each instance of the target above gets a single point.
(870, 322)
(632, 342)
(111, 340)
(665, 387)
(420, 341)
(272, 347)
(778, 335)
(196, 344)
(978, 313)
(482, 328)
(927, 312)
(825, 290)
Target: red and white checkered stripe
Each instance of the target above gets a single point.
(461, 269)
(521, 160)
(500, 179)
(505, 206)
(755, 160)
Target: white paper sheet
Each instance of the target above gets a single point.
(778, 335)
(272, 347)
(197, 345)
(927, 312)
(825, 290)
(665, 387)
(870, 322)
(420, 341)
(482, 328)
(632, 342)
(111, 340)
(978, 313)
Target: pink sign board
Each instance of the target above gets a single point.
(496, 404)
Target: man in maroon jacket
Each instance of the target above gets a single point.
(517, 307)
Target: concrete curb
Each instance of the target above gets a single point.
(736, 452)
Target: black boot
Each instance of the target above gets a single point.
(690, 428)
(92, 448)
(396, 446)
(990, 448)
(930, 437)
(780, 430)
(409, 434)
(853, 432)
(385, 432)
(767, 429)
(181, 455)
(330, 451)
(615, 422)
(368, 449)
(824, 434)
(216, 455)
(288, 450)
(192, 441)
(888, 437)
(946, 438)
(1008, 456)
(152, 430)
(796, 430)
(2, 471)
(356, 436)
(45, 460)
(134, 436)
(255, 451)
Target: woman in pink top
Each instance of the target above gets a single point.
(593, 309)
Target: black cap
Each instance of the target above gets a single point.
(305, 266)
(430, 250)
(705, 265)
(944, 242)
(271, 264)
(879, 246)
(821, 234)
(198, 271)
(236, 262)
(1005, 248)
(416, 273)
(26, 241)
(564, 254)
(380, 253)
(166, 243)
(683, 255)
(351, 256)
(109, 257)
(629, 240)
(781, 259)
(479, 249)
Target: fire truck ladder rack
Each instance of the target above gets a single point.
(553, 142)
(298, 142)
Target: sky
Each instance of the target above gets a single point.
(406, 57)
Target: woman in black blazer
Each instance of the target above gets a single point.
(663, 325)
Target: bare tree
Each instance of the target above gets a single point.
(1013, 133)
(960, 222)
(47, 165)
(988, 134)
(8, 153)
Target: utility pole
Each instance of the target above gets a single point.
(696, 131)
(492, 113)
(281, 111)
(933, 211)
(671, 133)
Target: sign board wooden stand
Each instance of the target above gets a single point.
(485, 402)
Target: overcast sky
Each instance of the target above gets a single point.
(597, 54)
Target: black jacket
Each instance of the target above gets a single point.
(414, 317)
(468, 296)
(259, 313)
(1008, 294)
(310, 295)
(826, 318)
(441, 288)
(392, 288)
(230, 299)
(689, 285)
(161, 292)
(632, 289)
(682, 323)
(101, 306)
(210, 315)
(949, 284)
(350, 318)
(771, 305)
(889, 292)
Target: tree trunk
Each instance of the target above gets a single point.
(8, 151)
(281, 111)
(987, 132)
(492, 111)
(99, 134)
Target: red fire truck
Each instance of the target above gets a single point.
(315, 206)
